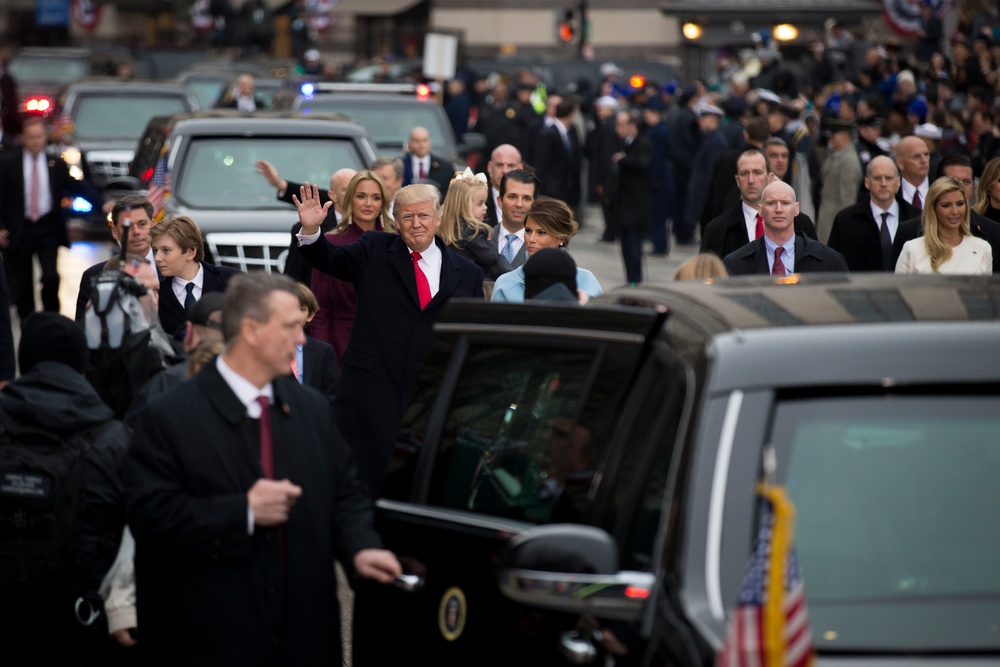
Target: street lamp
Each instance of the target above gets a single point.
(785, 32)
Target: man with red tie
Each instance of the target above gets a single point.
(914, 162)
(739, 225)
(403, 283)
(422, 166)
(240, 493)
(31, 216)
(780, 251)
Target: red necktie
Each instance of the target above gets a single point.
(423, 287)
(916, 200)
(34, 203)
(778, 268)
(266, 445)
(759, 230)
(423, 171)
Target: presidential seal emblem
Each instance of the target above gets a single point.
(451, 613)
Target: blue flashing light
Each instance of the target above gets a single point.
(81, 205)
(308, 89)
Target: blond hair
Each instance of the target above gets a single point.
(185, 233)
(701, 266)
(457, 220)
(991, 173)
(383, 216)
(938, 250)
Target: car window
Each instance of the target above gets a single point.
(895, 526)
(100, 117)
(50, 70)
(389, 125)
(526, 430)
(218, 172)
(206, 92)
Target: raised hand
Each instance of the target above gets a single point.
(311, 212)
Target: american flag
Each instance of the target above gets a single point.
(770, 625)
(159, 187)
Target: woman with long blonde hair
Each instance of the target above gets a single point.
(947, 246)
(463, 227)
(988, 191)
(366, 209)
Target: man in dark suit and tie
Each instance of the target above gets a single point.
(240, 494)
(504, 159)
(421, 165)
(864, 233)
(403, 283)
(914, 162)
(31, 216)
(518, 191)
(558, 157)
(139, 213)
(631, 199)
(739, 225)
(960, 168)
(781, 251)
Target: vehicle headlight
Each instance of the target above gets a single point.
(76, 172)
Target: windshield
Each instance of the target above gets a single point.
(206, 92)
(104, 117)
(895, 526)
(48, 70)
(218, 172)
(389, 125)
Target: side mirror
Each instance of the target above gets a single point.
(573, 569)
(471, 142)
(128, 184)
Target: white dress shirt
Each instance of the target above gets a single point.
(180, 286)
(430, 264)
(892, 222)
(40, 162)
(415, 162)
(502, 235)
(907, 189)
(750, 219)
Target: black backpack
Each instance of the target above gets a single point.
(41, 507)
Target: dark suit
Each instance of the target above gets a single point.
(172, 313)
(9, 141)
(662, 186)
(810, 257)
(981, 226)
(631, 203)
(390, 337)
(440, 173)
(296, 267)
(319, 367)
(194, 456)
(855, 235)
(492, 218)
(723, 192)
(559, 169)
(728, 232)
(7, 367)
(42, 237)
(10, 105)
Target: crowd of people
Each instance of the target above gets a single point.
(214, 457)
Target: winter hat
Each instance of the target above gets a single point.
(547, 267)
(49, 336)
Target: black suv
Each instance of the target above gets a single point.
(570, 475)
(202, 164)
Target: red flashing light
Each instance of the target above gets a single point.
(37, 105)
(423, 92)
(637, 81)
(635, 592)
(147, 175)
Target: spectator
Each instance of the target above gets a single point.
(315, 364)
(988, 191)
(559, 157)
(631, 199)
(840, 175)
(713, 146)
(421, 166)
(703, 266)
(603, 142)
(661, 181)
(243, 97)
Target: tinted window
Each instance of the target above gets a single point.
(49, 70)
(218, 172)
(526, 430)
(896, 528)
(389, 125)
(207, 92)
(97, 117)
